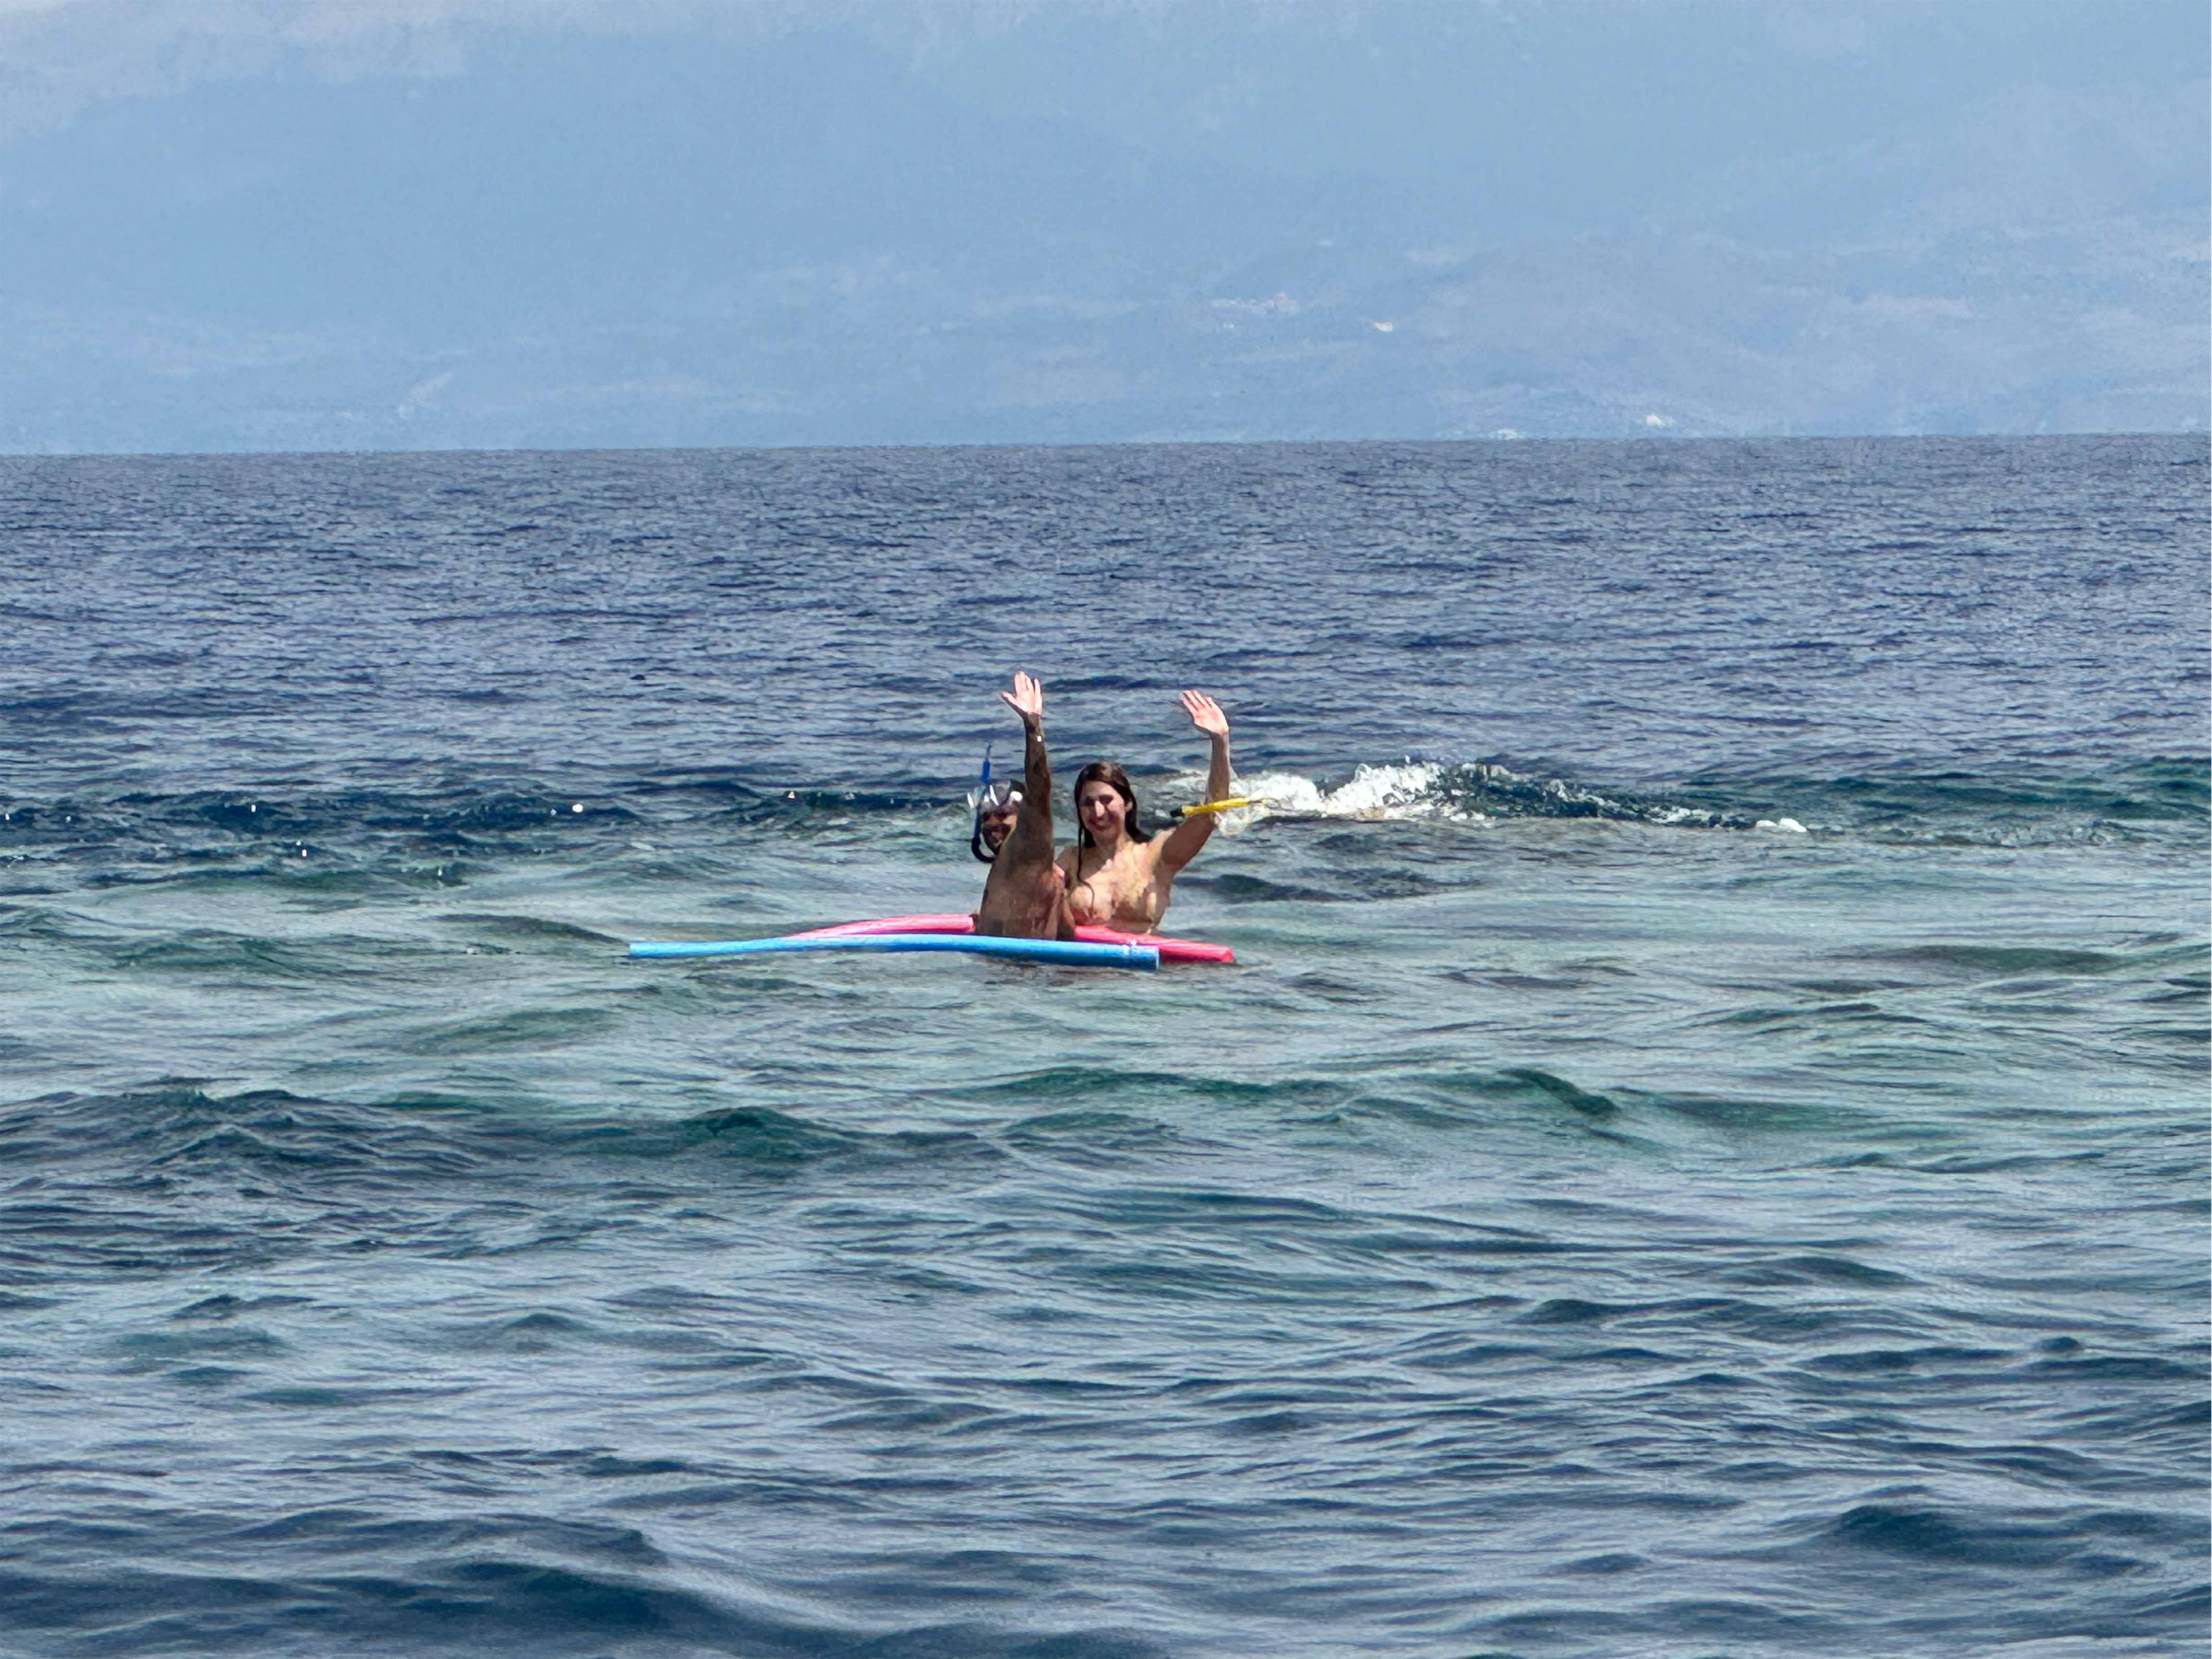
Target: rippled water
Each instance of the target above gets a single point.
(1703, 1152)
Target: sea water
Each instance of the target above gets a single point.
(1703, 1151)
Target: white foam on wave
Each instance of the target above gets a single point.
(1406, 791)
(1431, 790)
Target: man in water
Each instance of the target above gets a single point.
(1025, 896)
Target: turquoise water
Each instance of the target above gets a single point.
(1702, 1151)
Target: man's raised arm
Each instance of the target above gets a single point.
(1027, 700)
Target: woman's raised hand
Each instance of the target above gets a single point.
(1027, 700)
(1205, 714)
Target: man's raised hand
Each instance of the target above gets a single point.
(1027, 700)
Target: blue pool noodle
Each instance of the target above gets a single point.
(1071, 953)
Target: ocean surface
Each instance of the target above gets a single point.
(1703, 1152)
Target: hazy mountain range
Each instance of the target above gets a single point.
(320, 225)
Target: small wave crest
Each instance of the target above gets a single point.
(439, 831)
(1410, 790)
(2159, 796)
(1464, 792)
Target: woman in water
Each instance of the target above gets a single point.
(1118, 874)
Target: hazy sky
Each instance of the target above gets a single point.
(374, 224)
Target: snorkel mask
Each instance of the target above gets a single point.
(985, 797)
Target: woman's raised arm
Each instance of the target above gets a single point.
(1183, 842)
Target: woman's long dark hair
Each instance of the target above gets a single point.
(1107, 773)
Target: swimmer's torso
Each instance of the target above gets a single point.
(1021, 897)
(1128, 893)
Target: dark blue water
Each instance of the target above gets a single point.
(1703, 1152)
